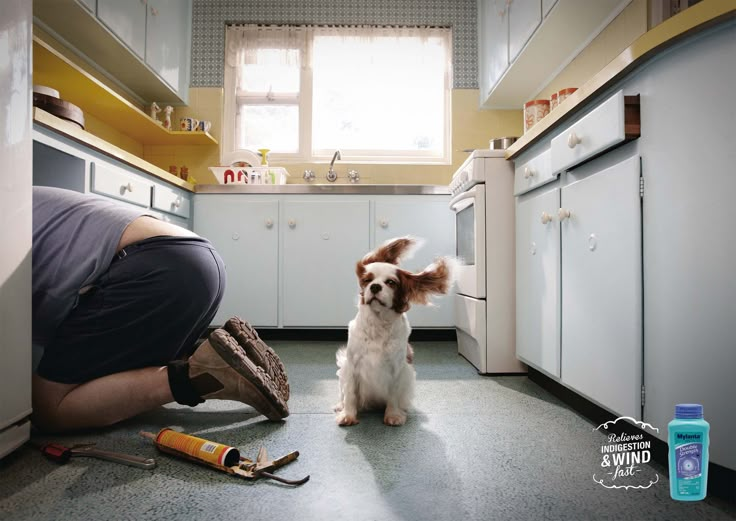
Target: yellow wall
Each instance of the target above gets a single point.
(471, 128)
(629, 25)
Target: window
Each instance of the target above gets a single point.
(376, 94)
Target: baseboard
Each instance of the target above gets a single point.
(721, 480)
(341, 334)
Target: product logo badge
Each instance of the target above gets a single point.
(624, 455)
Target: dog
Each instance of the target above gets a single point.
(375, 368)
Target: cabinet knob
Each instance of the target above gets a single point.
(563, 214)
(383, 223)
(546, 218)
(573, 140)
(292, 223)
(269, 223)
(154, 11)
(528, 172)
(235, 236)
(176, 204)
(128, 187)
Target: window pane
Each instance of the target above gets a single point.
(381, 93)
(275, 70)
(275, 127)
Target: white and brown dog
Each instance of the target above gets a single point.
(375, 369)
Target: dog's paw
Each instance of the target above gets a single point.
(394, 419)
(346, 420)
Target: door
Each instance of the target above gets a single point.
(16, 212)
(602, 287)
(127, 20)
(433, 222)
(538, 282)
(245, 234)
(323, 241)
(493, 43)
(168, 41)
(524, 18)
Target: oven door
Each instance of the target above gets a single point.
(470, 240)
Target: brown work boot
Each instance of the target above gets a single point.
(222, 365)
(259, 352)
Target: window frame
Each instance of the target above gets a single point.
(306, 153)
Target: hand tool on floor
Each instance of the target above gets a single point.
(221, 457)
(61, 454)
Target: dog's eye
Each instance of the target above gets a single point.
(390, 283)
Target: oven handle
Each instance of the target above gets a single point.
(460, 197)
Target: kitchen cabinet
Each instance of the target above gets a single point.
(524, 43)
(524, 18)
(127, 20)
(291, 258)
(601, 286)
(397, 217)
(538, 282)
(63, 163)
(143, 45)
(323, 240)
(246, 235)
(91, 5)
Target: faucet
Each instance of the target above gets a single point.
(331, 174)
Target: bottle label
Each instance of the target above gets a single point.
(688, 462)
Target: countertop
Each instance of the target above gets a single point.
(695, 19)
(354, 189)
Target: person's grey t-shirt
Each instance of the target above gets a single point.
(75, 237)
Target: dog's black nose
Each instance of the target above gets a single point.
(375, 288)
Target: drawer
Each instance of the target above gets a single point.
(115, 182)
(611, 123)
(533, 173)
(171, 201)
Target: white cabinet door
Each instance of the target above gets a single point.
(245, 234)
(323, 241)
(538, 282)
(602, 288)
(435, 223)
(524, 18)
(127, 20)
(168, 43)
(493, 43)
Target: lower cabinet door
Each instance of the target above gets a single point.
(538, 282)
(433, 222)
(602, 287)
(323, 241)
(245, 234)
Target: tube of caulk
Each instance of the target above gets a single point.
(215, 455)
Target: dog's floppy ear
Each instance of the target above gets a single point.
(416, 288)
(391, 251)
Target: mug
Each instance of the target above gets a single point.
(188, 123)
(203, 125)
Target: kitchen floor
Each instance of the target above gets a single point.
(474, 447)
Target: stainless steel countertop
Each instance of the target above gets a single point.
(338, 189)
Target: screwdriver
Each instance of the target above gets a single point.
(61, 454)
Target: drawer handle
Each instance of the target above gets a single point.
(383, 223)
(529, 172)
(573, 140)
(563, 214)
(128, 187)
(292, 223)
(546, 218)
(176, 204)
(269, 223)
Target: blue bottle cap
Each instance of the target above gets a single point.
(688, 411)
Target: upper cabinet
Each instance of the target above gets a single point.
(144, 45)
(524, 44)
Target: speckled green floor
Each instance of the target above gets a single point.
(473, 448)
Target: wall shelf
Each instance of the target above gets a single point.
(52, 69)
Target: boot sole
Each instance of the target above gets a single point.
(258, 351)
(272, 401)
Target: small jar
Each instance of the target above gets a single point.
(173, 169)
(184, 173)
(534, 111)
(553, 101)
(564, 93)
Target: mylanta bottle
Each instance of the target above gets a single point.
(688, 453)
